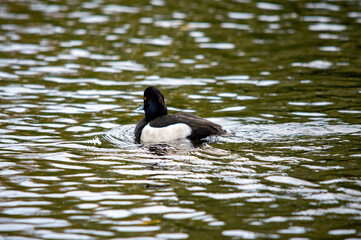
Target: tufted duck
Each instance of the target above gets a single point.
(158, 126)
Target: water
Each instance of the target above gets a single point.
(283, 77)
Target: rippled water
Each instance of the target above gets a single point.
(282, 76)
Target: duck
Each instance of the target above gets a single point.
(158, 126)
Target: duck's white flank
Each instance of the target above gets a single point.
(165, 134)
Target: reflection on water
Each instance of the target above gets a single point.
(283, 77)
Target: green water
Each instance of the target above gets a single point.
(283, 77)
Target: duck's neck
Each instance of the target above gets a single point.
(155, 112)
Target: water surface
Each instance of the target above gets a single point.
(282, 76)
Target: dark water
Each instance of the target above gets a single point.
(283, 76)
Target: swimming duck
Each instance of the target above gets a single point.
(158, 126)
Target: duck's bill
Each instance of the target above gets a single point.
(140, 109)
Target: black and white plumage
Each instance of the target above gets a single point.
(158, 126)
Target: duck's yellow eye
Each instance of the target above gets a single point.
(145, 98)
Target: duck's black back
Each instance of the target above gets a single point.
(201, 128)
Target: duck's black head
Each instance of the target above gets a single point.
(154, 104)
